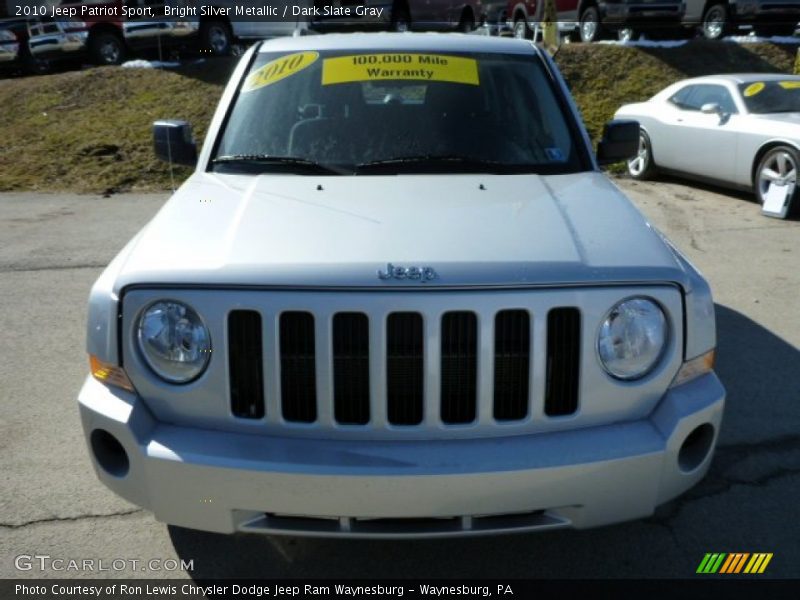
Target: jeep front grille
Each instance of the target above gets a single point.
(432, 364)
(404, 362)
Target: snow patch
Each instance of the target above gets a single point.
(149, 64)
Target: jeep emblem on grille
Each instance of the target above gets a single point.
(421, 274)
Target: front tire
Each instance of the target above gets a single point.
(589, 24)
(642, 167)
(216, 38)
(715, 22)
(779, 166)
(107, 48)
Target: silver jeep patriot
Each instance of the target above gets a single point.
(397, 297)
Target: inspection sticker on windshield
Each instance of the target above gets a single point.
(278, 69)
(382, 67)
(753, 89)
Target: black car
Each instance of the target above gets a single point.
(717, 18)
(628, 17)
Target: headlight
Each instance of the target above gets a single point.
(174, 341)
(632, 338)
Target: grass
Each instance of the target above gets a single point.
(89, 131)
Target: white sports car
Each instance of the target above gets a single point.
(740, 131)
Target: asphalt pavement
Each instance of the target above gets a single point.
(52, 247)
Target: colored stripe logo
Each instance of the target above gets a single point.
(734, 563)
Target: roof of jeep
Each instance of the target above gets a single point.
(449, 42)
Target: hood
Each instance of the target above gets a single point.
(339, 231)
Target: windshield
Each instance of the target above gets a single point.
(762, 97)
(406, 112)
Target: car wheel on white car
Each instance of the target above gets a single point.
(777, 167)
(642, 166)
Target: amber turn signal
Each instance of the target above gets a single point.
(109, 374)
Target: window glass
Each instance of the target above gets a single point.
(771, 96)
(348, 109)
(693, 97)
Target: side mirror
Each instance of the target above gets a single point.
(712, 108)
(172, 142)
(620, 142)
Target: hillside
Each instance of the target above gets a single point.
(89, 131)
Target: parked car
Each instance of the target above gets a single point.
(627, 18)
(397, 15)
(740, 131)
(117, 28)
(717, 18)
(34, 45)
(56, 40)
(374, 310)
(523, 17)
(9, 46)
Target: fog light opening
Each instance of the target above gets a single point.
(696, 448)
(109, 453)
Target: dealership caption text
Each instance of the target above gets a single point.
(75, 590)
(279, 11)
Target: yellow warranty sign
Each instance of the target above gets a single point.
(789, 85)
(753, 89)
(278, 69)
(394, 67)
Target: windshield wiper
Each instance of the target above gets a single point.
(462, 163)
(255, 160)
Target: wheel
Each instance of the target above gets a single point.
(777, 167)
(467, 22)
(521, 29)
(589, 24)
(401, 18)
(642, 166)
(216, 38)
(106, 48)
(780, 30)
(627, 34)
(715, 22)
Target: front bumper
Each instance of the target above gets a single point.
(227, 482)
